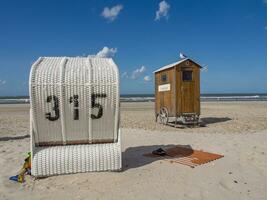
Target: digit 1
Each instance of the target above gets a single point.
(75, 102)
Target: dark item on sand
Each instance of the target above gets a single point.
(159, 152)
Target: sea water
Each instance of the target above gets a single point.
(151, 98)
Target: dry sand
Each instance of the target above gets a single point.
(220, 117)
(237, 130)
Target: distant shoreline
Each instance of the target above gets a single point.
(151, 98)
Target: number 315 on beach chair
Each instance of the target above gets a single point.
(74, 115)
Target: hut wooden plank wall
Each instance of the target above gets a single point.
(177, 88)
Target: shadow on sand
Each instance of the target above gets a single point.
(134, 157)
(14, 138)
(203, 123)
(213, 120)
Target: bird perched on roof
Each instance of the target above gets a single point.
(182, 56)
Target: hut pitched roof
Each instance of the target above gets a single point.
(174, 64)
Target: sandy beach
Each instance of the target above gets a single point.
(237, 130)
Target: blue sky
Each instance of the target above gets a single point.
(229, 36)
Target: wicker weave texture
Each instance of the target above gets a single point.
(68, 136)
(48, 161)
(95, 81)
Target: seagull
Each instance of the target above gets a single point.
(182, 56)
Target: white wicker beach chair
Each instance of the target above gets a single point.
(74, 115)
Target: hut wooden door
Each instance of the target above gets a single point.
(188, 96)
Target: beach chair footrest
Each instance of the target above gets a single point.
(55, 160)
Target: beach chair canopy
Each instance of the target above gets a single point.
(74, 100)
(74, 115)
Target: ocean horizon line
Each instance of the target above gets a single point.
(151, 97)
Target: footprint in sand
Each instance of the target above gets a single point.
(227, 184)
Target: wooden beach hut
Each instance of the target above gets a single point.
(177, 92)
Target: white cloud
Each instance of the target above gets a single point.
(147, 78)
(2, 82)
(124, 75)
(163, 10)
(138, 72)
(112, 13)
(107, 52)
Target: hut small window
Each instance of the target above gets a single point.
(187, 75)
(164, 78)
